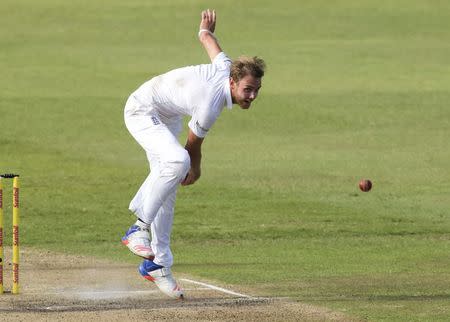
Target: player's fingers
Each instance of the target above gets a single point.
(213, 22)
(187, 180)
(205, 16)
(208, 20)
(210, 15)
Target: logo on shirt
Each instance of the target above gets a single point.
(200, 127)
(155, 120)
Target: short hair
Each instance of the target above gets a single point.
(245, 65)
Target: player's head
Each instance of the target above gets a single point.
(245, 79)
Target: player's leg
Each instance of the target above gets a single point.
(137, 201)
(137, 237)
(169, 163)
(158, 270)
(161, 229)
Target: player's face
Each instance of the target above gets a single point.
(245, 91)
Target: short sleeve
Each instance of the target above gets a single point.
(221, 61)
(201, 123)
(211, 102)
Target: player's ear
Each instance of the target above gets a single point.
(232, 83)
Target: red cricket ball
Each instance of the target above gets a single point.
(365, 185)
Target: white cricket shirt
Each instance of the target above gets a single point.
(200, 91)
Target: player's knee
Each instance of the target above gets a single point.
(178, 165)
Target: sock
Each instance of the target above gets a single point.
(142, 224)
(150, 265)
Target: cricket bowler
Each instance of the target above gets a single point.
(153, 115)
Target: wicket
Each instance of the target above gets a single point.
(15, 224)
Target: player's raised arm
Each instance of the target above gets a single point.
(206, 33)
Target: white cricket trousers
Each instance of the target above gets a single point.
(154, 202)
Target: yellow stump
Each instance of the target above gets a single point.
(1, 236)
(15, 288)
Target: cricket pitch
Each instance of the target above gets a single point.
(56, 287)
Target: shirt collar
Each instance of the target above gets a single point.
(227, 92)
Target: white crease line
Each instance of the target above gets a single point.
(105, 292)
(127, 292)
(220, 289)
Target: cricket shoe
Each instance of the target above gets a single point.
(162, 277)
(137, 240)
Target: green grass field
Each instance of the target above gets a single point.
(353, 89)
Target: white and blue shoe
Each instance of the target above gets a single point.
(137, 240)
(162, 277)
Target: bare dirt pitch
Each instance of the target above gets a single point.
(57, 287)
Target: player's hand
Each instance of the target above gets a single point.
(208, 20)
(191, 177)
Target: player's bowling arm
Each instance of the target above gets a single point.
(194, 148)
